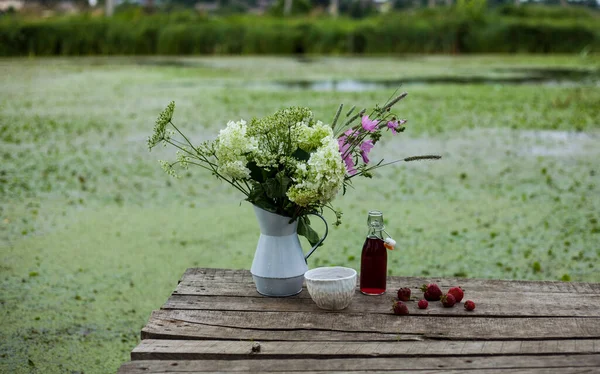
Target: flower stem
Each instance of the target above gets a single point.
(352, 119)
(337, 116)
(393, 102)
(380, 164)
(211, 168)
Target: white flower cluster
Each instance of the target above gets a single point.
(309, 138)
(232, 149)
(272, 143)
(319, 180)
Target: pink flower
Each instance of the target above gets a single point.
(369, 125)
(365, 148)
(343, 145)
(392, 125)
(351, 133)
(350, 165)
(346, 156)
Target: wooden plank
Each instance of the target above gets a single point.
(432, 371)
(210, 288)
(244, 276)
(247, 289)
(207, 324)
(488, 304)
(159, 349)
(218, 275)
(158, 328)
(496, 364)
(213, 280)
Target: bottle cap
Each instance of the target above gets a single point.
(389, 243)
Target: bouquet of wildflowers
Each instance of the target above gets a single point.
(287, 163)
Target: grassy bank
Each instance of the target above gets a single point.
(93, 235)
(528, 29)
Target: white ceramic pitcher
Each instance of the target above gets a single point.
(279, 262)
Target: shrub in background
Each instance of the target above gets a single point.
(465, 28)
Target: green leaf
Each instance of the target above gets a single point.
(256, 173)
(284, 181)
(305, 230)
(255, 192)
(277, 187)
(258, 197)
(271, 187)
(301, 155)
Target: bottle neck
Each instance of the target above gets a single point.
(375, 233)
(375, 224)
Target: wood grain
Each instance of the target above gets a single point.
(198, 276)
(215, 317)
(492, 303)
(152, 349)
(496, 364)
(195, 324)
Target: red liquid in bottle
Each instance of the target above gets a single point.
(373, 267)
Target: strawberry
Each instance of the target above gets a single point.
(431, 292)
(423, 304)
(469, 305)
(448, 300)
(458, 293)
(404, 294)
(400, 308)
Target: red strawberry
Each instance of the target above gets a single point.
(469, 305)
(458, 293)
(448, 300)
(404, 294)
(423, 304)
(432, 292)
(400, 308)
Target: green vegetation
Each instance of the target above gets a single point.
(94, 236)
(464, 28)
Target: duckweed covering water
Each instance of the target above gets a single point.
(93, 235)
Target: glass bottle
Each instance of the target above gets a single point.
(373, 261)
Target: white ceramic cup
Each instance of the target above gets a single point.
(331, 288)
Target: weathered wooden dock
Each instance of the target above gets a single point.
(215, 321)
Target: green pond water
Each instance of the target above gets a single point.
(94, 236)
